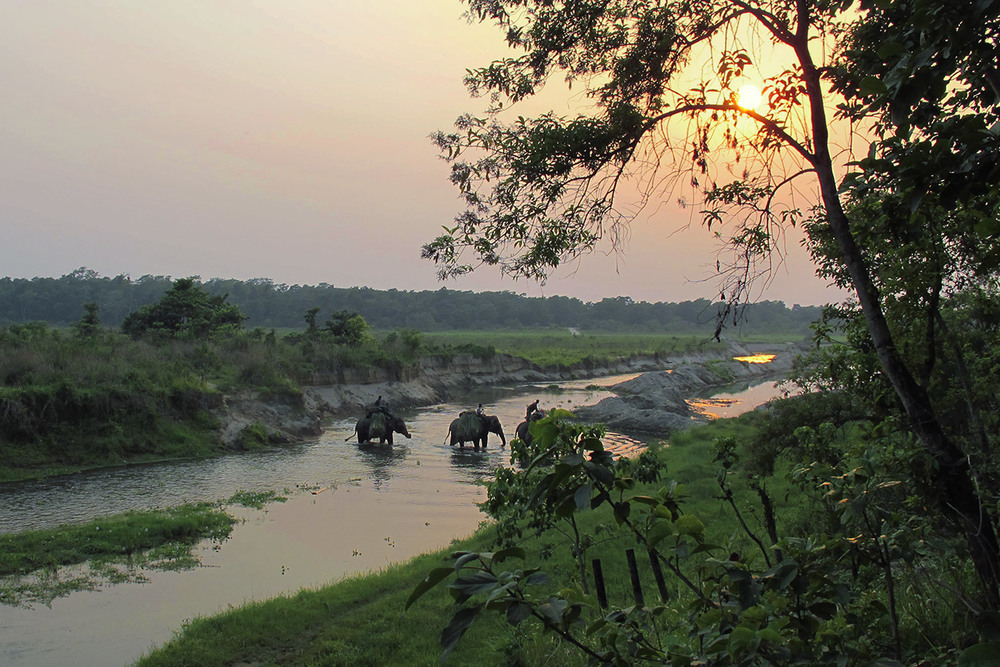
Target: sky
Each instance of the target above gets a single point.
(279, 139)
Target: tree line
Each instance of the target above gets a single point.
(61, 301)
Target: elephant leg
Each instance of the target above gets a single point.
(390, 437)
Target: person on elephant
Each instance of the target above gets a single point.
(380, 405)
(480, 411)
(532, 407)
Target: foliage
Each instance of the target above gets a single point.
(68, 402)
(911, 230)
(58, 301)
(90, 323)
(842, 574)
(347, 327)
(185, 310)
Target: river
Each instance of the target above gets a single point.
(375, 505)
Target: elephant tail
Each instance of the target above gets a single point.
(351, 435)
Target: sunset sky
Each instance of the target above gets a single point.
(281, 139)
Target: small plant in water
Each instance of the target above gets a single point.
(255, 499)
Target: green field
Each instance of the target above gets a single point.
(560, 348)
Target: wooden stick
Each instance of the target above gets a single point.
(602, 596)
(633, 571)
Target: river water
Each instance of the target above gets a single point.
(350, 509)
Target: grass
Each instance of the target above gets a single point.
(558, 348)
(361, 621)
(128, 533)
(39, 566)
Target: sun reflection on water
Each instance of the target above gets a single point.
(703, 407)
(757, 358)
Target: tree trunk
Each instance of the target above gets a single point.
(953, 472)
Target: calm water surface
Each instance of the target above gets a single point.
(379, 505)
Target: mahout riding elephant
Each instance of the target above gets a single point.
(523, 432)
(475, 428)
(378, 424)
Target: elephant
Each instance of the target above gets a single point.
(381, 429)
(523, 432)
(476, 428)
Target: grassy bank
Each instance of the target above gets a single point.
(37, 566)
(70, 402)
(361, 621)
(130, 533)
(559, 348)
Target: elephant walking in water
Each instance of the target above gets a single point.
(378, 424)
(475, 428)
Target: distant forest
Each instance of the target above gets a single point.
(59, 301)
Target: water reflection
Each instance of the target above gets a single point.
(757, 358)
(380, 460)
(737, 398)
(478, 461)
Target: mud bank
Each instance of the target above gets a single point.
(656, 402)
(449, 379)
(651, 402)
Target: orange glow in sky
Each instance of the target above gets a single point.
(281, 140)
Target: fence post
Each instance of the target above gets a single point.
(654, 562)
(602, 596)
(633, 572)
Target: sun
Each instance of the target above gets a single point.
(749, 97)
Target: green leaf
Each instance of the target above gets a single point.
(464, 558)
(433, 578)
(888, 50)
(688, 524)
(460, 622)
(784, 574)
(980, 655)
(554, 609)
(566, 508)
(517, 612)
(537, 579)
(511, 552)
(480, 582)
(660, 531)
(582, 496)
(740, 639)
(871, 85)
(770, 635)
(600, 473)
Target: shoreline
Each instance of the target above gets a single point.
(651, 402)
